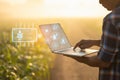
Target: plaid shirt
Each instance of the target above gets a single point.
(110, 46)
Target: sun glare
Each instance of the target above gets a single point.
(15, 1)
(72, 8)
(55, 8)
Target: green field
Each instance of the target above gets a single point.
(34, 63)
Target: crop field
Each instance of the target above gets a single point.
(37, 62)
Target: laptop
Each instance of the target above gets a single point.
(58, 42)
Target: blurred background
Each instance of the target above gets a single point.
(80, 19)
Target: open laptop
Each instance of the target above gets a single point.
(58, 42)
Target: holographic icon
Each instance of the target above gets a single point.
(63, 41)
(55, 27)
(19, 35)
(55, 36)
(46, 30)
(24, 35)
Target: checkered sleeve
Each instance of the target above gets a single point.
(109, 42)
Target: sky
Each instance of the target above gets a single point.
(51, 8)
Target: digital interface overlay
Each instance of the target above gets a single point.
(55, 36)
(24, 35)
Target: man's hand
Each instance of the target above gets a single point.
(93, 61)
(86, 44)
(77, 58)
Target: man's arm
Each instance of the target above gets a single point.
(93, 61)
(97, 42)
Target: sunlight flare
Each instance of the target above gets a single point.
(15, 1)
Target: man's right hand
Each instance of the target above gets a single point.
(86, 44)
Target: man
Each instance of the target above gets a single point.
(108, 58)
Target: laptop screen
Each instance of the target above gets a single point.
(55, 36)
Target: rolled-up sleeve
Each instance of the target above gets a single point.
(109, 42)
